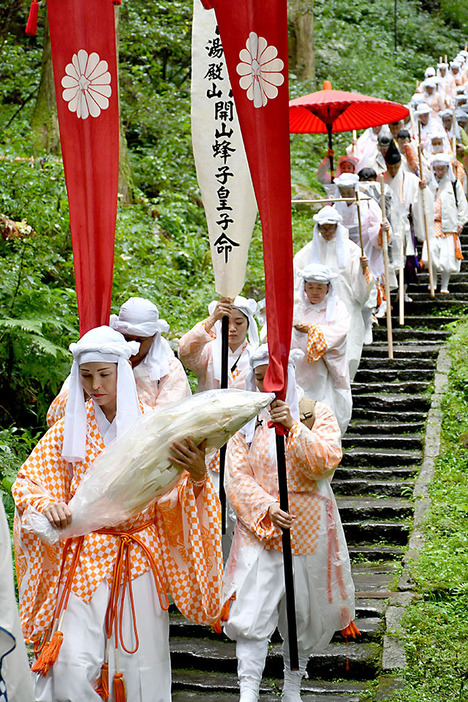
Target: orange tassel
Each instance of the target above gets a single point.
(224, 616)
(49, 654)
(102, 685)
(31, 26)
(119, 688)
(351, 630)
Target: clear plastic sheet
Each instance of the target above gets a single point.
(134, 471)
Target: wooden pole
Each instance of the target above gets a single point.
(385, 258)
(224, 384)
(330, 199)
(426, 230)
(401, 289)
(359, 221)
(454, 137)
(354, 143)
(287, 557)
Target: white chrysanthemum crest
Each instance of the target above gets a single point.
(86, 84)
(260, 70)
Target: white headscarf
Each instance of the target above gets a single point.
(248, 307)
(441, 160)
(261, 357)
(106, 345)
(347, 180)
(317, 273)
(140, 317)
(330, 215)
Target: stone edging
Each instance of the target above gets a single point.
(393, 656)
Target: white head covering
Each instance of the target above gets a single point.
(330, 215)
(261, 357)
(140, 317)
(248, 307)
(317, 273)
(444, 160)
(106, 345)
(430, 83)
(347, 180)
(429, 72)
(422, 109)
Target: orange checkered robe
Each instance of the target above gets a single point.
(251, 480)
(184, 538)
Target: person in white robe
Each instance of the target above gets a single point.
(15, 680)
(450, 216)
(366, 145)
(354, 284)
(370, 218)
(321, 328)
(412, 212)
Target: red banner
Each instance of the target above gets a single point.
(255, 42)
(82, 34)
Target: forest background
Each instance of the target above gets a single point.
(162, 250)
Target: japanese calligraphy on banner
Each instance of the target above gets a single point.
(222, 169)
(82, 36)
(255, 42)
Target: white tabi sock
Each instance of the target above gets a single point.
(251, 656)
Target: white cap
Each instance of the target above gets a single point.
(328, 215)
(347, 180)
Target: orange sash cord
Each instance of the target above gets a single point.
(333, 549)
(121, 580)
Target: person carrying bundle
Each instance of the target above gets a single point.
(99, 602)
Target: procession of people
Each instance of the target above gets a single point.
(96, 606)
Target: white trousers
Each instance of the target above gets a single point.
(147, 672)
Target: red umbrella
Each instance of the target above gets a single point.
(328, 110)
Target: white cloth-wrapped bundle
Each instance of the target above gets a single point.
(134, 470)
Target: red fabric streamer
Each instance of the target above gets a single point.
(82, 36)
(255, 43)
(31, 26)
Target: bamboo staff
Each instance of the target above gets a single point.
(329, 199)
(401, 287)
(359, 221)
(454, 137)
(385, 258)
(354, 143)
(426, 230)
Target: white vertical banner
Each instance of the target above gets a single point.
(222, 169)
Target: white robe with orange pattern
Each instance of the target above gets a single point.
(183, 538)
(251, 483)
(323, 371)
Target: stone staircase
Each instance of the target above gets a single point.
(373, 485)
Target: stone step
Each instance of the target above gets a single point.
(190, 685)
(390, 375)
(410, 363)
(415, 386)
(420, 322)
(375, 553)
(381, 458)
(384, 488)
(412, 351)
(362, 428)
(390, 402)
(402, 334)
(390, 441)
(210, 655)
(372, 532)
(372, 473)
(373, 508)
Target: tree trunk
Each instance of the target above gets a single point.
(301, 38)
(44, 122)
(125, 170)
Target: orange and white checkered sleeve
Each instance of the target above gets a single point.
(193, 350)
(316, 343)
(316, 452)
(43, 478)
(248, 499)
